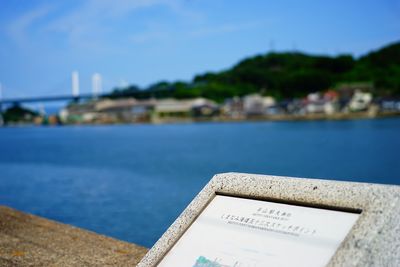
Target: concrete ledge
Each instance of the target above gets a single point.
(28, 240)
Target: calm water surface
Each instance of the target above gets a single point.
(131, 182)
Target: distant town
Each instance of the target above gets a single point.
(274, 86)
(345, 102)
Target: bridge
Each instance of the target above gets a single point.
(96, 92)
(75, 96)
(49, 98)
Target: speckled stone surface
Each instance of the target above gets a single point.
(373, 241)
(28, 240)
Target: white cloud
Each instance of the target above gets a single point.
(93, 11)
(89, 23)
(85, 23)
(18, 28)
(91, 19)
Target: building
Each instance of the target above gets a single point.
(257, 105)
(390, 105)
(118, 110)
(233, 108)
(78, 112)
(346, 92)
(323, 103)
(360, 101)
(171, 107)
(175, 108)
(108, 111)
(203, 107)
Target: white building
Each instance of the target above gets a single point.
(256, 104)
(171, 107)
(360, 101)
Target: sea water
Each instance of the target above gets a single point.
(132, 181)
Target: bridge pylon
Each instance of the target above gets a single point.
(75, 84)
(96, 85)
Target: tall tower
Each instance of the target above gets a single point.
(75, 83)
(96, 84)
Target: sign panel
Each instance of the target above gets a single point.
(240, 232)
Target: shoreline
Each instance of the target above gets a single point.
(221, 119)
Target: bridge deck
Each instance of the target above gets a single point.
(27, 240)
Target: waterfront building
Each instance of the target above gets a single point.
(390, 105)
(203, 107)
(360, 101)
(323, 103)
(346, 92)
(233, 108)
(78, 112)
(257, 105)
(171, 107)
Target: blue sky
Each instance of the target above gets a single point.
(145, 41)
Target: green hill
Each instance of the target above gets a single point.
(285, 75)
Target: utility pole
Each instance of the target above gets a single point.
(272, 46)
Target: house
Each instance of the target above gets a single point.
(233, 108)
(360, 101)
(257, 105)
(78, 112)
(346, 92)
(122, 110)
(389, 105)
(171, 107)
(143, 110)
(202, 107)
(325, 103)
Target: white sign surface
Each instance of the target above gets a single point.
(239, 232)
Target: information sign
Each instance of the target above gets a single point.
(241, 232)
